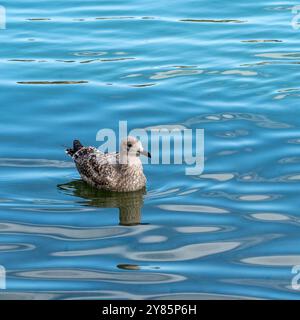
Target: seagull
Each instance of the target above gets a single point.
(119, 171)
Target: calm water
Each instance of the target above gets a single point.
(70, 68)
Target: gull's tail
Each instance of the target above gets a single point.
(76, 146)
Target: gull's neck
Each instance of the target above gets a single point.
(130, 160)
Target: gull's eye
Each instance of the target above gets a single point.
(129, 145)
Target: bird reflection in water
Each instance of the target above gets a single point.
(129, 203)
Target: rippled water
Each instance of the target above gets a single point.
(70, 68)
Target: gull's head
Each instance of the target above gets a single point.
(132, 148)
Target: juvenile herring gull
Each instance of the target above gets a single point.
(122, 172)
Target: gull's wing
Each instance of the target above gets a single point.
(97, 168)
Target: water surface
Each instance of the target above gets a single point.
(70, 68)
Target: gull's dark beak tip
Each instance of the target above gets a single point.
(146, 153)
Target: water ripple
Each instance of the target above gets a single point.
(11, 162)
(191, 208)
(189, 252)
(66, 233)
(112, 277)
(52, 82)
(270, 216)
(16, 247)
(213, 20)
(193, 229)
(231, 232)
(277, 261)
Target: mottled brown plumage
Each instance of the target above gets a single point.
(121, 172)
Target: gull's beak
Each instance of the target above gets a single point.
(146, 153)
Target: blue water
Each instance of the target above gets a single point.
(70, 68)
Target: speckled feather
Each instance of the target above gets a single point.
(104, 171)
